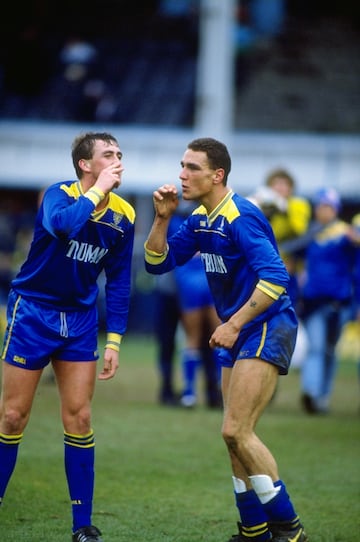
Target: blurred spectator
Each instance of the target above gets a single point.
(294, 217)
(199, 320)
(183, 296)
(80, 87)
(269, 201)
(355, 238)
(167, 318)
(354, 232)
(289, 216)
(289, 222)
(326, 296)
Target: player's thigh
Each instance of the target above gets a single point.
(247, 388)
(17, 394)
(76, 383)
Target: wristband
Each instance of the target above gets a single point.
(153, 257)
(113, 341)
(95, 195)
(272, 290)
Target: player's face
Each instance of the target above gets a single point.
(196, 175)
(104, 154)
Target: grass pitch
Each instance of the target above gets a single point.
(163, 475)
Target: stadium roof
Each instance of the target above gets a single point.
(34, 155)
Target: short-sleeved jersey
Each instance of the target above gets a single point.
(72, 245)
(238, 249)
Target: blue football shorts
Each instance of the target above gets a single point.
(193, 289)
(272, 341)
(37, 334)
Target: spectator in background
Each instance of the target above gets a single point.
(199, 320)
(183, 296)
(291, 221)
(269, 201)
(167, 318)
(326, 296)
(355, 238)
(281, 209)
(80, 92)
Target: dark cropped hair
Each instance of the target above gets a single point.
(283, 174)
(217, 154)
(83, 147)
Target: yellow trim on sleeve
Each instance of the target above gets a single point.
(153, 257)
(272, 290)
(113, 341)
(95, 195)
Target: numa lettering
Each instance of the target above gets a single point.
(214, 263)
(83, 252)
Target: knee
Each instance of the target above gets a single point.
(231, 436)
(13, 421)
(77, 422)
(237, 435)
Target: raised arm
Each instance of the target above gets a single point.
(165, 201)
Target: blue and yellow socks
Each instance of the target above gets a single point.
(263, 505)
(79, 457)
(253, 518)
(9, 445)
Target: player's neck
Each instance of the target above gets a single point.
(212, 200)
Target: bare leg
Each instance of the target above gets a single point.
(18, 390)
(76, 381)
(247, 389)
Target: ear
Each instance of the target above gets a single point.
(219, 176)
(84, 165)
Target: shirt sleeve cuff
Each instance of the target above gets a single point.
(113, 341)
(153, 257)
(272, 290)
(95, 195)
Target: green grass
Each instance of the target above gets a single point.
(163, 475)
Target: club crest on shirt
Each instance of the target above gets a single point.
(117, 218)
